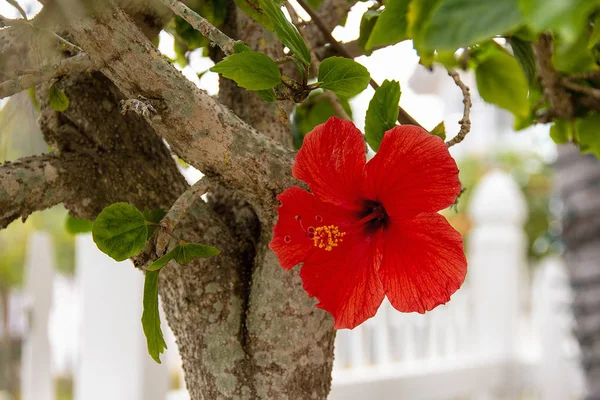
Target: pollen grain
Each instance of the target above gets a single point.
(327, 237)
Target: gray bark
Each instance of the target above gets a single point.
(578, 184)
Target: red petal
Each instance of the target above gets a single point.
(423, 263)
(345, 280)
(413, 172)
(331, 161)
(290, 242)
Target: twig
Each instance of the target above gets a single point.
(178, 209)
(202, 25)
(403, 116)
(576, 87)
(18, 7)
(584, 76)
(465, 122)
(323, 28)
(337, 106)
(64, 43)
(78, 63)
(284, 59)
(293, 14)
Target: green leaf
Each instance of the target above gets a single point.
(574, 56)
(314, 111)
(58, 99)
(588, 134)
(459, 23)
(153, 216)
(250, 70)
(75, 225)
(565, 16)
(391, 26)
(240, 48)
(344, 76)
(523, 51)
(267, 95)
(560, 131)
(382, 113)
(253, 9)
(314, 4)
(439, 130)
(286, 31)
(367, 22)
(300, 66)
(595, 36)
(418, 16)
(183, 254)
(151, 317)
(501, 81)
(120, 231)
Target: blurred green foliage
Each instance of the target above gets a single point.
(20, 136)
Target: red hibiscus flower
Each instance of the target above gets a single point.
(371, 229)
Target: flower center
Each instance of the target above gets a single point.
(327, 237)
(373, 216)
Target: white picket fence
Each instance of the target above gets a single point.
(502, 336)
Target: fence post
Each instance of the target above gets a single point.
(497, 253)
(36, 372)
(113, 359)
(558, 373)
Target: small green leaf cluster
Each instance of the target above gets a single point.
(122, 231)
(496, 40)
(256, 71)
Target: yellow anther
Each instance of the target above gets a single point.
(327, 237)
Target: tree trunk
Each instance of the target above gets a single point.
(578, 183)
(244, 326)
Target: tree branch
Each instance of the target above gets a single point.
(465, 122)
(202, 25)
(178, 209)
(18, 7)
(576, 87)
(27, 79)
(403, 116)
(330, 13)
(4, 22)
(32, 184)
(202, 131)
(560, 99)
